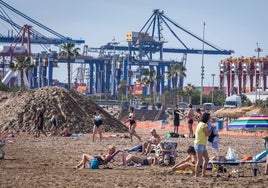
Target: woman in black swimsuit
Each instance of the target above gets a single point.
(98, 124)
(132, 122)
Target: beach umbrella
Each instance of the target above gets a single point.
(253, 123)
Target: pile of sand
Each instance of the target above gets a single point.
(18, 110)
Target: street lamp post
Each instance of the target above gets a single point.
(257, 69)
(202, 67)
(212, 96)
(113, 69)
(101, 71)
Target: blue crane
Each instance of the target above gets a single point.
(36, 37)
(150, 39)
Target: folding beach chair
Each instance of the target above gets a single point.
(168, 150)
(111, 158)
(238, 166)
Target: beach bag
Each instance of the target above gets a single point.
(94, 164)
(167, 159)
(231, 155)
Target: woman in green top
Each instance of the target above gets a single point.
(200, 142)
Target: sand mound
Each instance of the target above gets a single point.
(17, 110)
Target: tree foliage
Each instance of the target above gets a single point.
(69, 50)
(21, 64)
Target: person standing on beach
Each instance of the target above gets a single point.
(198, 115)
(132, 124)
(176, 120)
(200, 142)
(190, 120)
(53, 123)
(98, 124)
(39, 121)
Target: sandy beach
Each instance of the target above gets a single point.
(49, 162)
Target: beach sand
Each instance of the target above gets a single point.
(49, 162)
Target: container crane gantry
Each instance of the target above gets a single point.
(37, 37)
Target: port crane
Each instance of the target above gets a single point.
(108, 70)
(36, 36)
(148, 41)
(28, 33)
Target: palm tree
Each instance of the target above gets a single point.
(175, 72)
(122, 88)
(189, 88)
(21, 64)
(69, 50)
(149, 79)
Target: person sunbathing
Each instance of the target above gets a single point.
(154, 141)
(101, 157)
(141, 160)
(188, 163)
(66, 131)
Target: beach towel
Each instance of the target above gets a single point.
(213, 139)
(137, 148)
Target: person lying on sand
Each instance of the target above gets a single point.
(66, 131)
(101, 157)
(188, 163)
(142, 160)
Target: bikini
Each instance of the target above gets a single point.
(98, 120)
(131, 121)
(146, 161)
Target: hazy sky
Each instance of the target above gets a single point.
(230, 24)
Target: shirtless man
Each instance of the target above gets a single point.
(154, 141)
(190, 120)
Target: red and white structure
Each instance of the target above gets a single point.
(242, 75)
